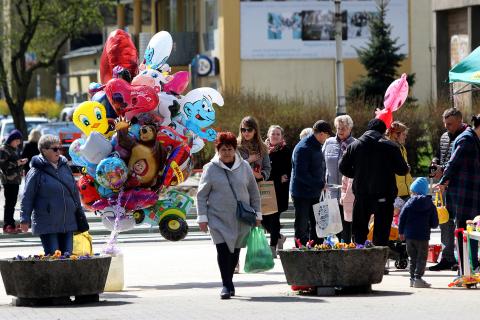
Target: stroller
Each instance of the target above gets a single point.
(398, 248)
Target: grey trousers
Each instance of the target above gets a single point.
(447, 231)
(417, 251)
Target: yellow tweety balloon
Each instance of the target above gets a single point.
(91, 116)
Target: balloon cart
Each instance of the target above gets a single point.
(467, 278)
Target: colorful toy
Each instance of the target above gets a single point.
(91, 116)
(151, 78)
(178, 167)
(111, 173)
(75, 154)
(169, 214)
(169, 138)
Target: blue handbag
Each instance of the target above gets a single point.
(245, 213)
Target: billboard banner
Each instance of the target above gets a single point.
(306, 29)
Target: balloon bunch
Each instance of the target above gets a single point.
(139, 136)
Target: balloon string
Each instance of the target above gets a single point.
(118, 211)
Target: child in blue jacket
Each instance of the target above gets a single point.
(417, 217)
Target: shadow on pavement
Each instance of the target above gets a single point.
(207, 285)
(381, 293)
(113, 295)
(308, 299)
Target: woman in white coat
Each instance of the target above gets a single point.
(217, 205)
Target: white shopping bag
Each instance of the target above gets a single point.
(327, 216)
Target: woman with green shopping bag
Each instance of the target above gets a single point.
(226, 178)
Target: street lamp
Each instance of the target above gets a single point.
(339, 84)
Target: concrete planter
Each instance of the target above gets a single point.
(334, 268)
(51, 282)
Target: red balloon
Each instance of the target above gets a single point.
(119, 50)
(126, 98)
(386, 116)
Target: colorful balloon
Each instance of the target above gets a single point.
(112, 173)
(119, 50)
(177, 83)
(88, 191)
(95, 148)
(158, 50)
(75, 154)
(151, 78)
(128, 100)
(91, 116)
(395, 96)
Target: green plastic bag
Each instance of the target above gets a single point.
(259, 255)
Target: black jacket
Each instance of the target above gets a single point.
(372, 161)
(281, 162)
(30, 150)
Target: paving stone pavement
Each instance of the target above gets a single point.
(181, 280)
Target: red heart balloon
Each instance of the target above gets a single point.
(133, 100)
(119, 50)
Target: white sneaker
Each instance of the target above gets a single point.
(420, 283)
(412, 281)
(237, 268)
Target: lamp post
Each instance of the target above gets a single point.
(340, 83)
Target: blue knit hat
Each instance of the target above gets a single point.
(420, 186)
(14, 134)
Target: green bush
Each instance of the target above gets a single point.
(36, 107)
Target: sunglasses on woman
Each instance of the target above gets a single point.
(246, 129)
(55, 149)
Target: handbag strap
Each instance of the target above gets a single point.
(231, 187)
(63, 183)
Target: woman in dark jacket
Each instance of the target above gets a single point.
(47, 204)
(12, 167)
(462, 178)
(31, 148)
(281, 162)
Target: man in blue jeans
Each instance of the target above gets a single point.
(308, 180)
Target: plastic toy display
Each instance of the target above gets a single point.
(140, 133)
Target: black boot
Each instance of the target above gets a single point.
(225, 293)
(442, 265)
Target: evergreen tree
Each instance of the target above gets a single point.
(380, 58)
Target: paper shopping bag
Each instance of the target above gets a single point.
(268, 197)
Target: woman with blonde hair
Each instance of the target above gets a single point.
(31, 147)
(398, 133)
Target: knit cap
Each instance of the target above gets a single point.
(14, 134)
(420, 186)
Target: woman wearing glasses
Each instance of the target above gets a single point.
(252, 148)
(47, 204)
(333, 150)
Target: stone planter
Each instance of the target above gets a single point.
(335, 268)
(52, 282)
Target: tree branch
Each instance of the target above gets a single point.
(19, 12)
(4, 82)
(53, 57)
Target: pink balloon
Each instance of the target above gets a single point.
(130, 100)
(178, 84)
(396, 94)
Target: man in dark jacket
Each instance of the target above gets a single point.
(453, 122)
(308, 180)
(372, 161)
